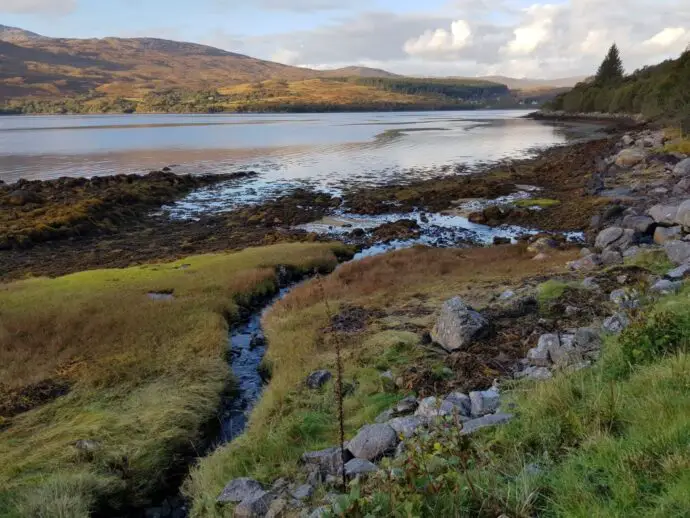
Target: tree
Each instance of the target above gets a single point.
(611, 69)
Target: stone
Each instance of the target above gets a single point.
(627, 140)
(630, 157)
(682, 168)
(484, 402)
(535, 373)
(585, 252)
(255, 505)
(88, 445)
(542, 244)
(407, 426)
(616, 323)
(385, 416)
(406, 406)
(664, 234)
(631, 252)
(460, 401)
(611, 257)
(484, 422)
(679, 273)
(590, 283)
(683, 186)
(563, 353)
(683, 214)
(539, 355)
(432, 407)
(318, 379)
(238, 489)
(571, 311)
(278, 509)
(21, 197)
(328, 461)
(591, 262)
(359, 467)
(373, 441)
(458, 325)
(666, 287)
(640, 224)
(507, 295)
(664, 214)
(280, 485)
(320, 512)
(303, 492)
(586, 339)
(625, 299)
(678, 252)
(615, 237)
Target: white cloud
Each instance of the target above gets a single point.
(37, 6)
(285, 56)
(537, 31)
(300, 6)
(667, 37)
(441, 43)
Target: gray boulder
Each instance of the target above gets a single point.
(630, 157)
(385, 416)
(591, 262)
(678, 252)
(664, 214)
(632, 252)
(590, 283)
(303, 492)
(666, 287)
(432, 407)
(616, 323)
(640, 224)
(484, 422)
(615, 237)
(406, 406)
(458, 326)
(535, 373)
(238, 489)
(625, 299)
(682, 168)
(373, 441)
(587, 339)
(683, 214)
(682, 187)
(679, 273)
(665, 234)
(407, 426)
(484, 402)
(255, 505)
(564, 353)
(552, 349)
(627, 140)
(318, 379)
(460, 401)
(611, 257)
(328, 461)
(359, 467)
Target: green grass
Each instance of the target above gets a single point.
(144, 375)
(543, 203)
(656, 261)
(550, 291)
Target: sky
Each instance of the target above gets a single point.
(515, 38)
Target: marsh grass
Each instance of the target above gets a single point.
(144, 375)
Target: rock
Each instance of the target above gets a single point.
(407, 426)
(664, 214)
(678, 252)
(88, 445)
(625, 299)
(303, 492)
(683, 214)
(683, 186)
(611, 257)
(279, 509)
(542, 244)
(21, 197)
(571, 311)
(539, 355)
(664, 234)
(682, 168)
(458, 326)
(587, 339)
(585, 252)
(320, 512)
(460, 401)
(484, 422)
(501, 240)
(666, 287)
(406, 406)
(432, 407)
(507, 295)
(679, 273)
(590, 283)
(630, 157)
(639, 224)
(627, 140)
(631, 252)
(591, 262)
(255, 505)
(359, 467)
(373, 441)
(552, 349)
(280, 485)
(615, 237)
(563, 353)
(385, 416)
(239, 489)
(318, 379)
(616, 323)
(535, 373)
(484, 402)
(328, 461)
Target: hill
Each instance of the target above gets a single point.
(357, 72)
(535, 84)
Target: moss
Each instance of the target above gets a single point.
(543, 203)
(550, 291)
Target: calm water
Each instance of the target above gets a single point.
(322, 149)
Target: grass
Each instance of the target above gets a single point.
(608, 441)
(655, 261)
(550, 291)
(543, 203)
(400, 293)
(681, 145)
(144, 376)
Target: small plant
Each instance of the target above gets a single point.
(656, 336)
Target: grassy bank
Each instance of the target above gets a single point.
(380, 308)
(91, 356)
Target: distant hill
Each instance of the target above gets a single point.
(535, 84)
(13, 34)
(357, 72)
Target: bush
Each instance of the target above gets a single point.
(658, 335)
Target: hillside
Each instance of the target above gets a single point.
(658, 92)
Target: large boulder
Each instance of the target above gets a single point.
(590, 262)
(328, 461)
(683, 186)
(678, 252)
(587, 339)
(682, 168)
(318, 379)
(484, 402)
(640, 224)
(255, 505)
(552, 349)
(407, 426)
(664, 214)
(373, 441)
(359, 467)
(615, 237)
(665, 234)
(679, 273)
(238, 489)
(630, 157)
(683, 214)
(461, 401)
(666, 287)
(458, 325)
(484, 422)
(432, 407)
(616, 323)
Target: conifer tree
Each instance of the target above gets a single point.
(611, 69)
